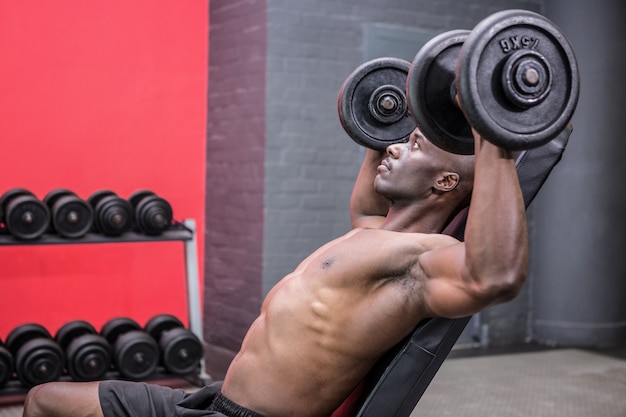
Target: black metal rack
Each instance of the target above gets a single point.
(185, 232)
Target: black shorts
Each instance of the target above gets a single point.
(139, 399)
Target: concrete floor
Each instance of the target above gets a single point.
(542, 383)
(550, 383)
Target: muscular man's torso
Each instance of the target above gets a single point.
(324, 326)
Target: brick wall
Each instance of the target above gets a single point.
(235, 172)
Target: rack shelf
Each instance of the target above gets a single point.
(184, 232)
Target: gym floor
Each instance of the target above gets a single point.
(518, 382)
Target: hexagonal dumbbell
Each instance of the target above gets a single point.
(152, 214)
(6, 365)
(38, 358)
(135, 353)
(88, 354)
(24, 216)
(181, 350)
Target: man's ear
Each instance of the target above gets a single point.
(447, 181)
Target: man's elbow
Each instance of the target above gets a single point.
(504, 288)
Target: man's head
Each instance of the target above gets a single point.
(418, 171)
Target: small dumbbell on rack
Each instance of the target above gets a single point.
(38, 358)
(112, 214)
(88, 354)
(24, 216)
(71, 216)
(181, 350)
(6, 365)
(152, 213)
(135, 353)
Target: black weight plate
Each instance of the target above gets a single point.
(482, 71)
(71, 216)
(138, 195)
(161, 323)
(372, 103)
(136, 355)
(95, 198)
(52, 196)
(26, 217)
(89, 357)
(113, 328)
(71, 330)
(431, 93)
(6, 365)
(153, 215)
(23, 333)
(113, 216)
(181, 351)
(10, 194)
(38, 361)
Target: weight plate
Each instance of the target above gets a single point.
(95, 198)
(372, 103)
(161, 323)
(181, 351)
(52, 196)
(8, 196)
(113, 216)
(113, 328)
(26, 217)
(6, 365)
(137, 196)
(153, 215)
(39, 361)
(518, 79)
(71, 330)
(136, 355)
(71, 216)
(89, 357)
(23, 333)
(431, 93)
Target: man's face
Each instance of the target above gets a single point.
(410, 170)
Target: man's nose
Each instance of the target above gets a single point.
(394, 149)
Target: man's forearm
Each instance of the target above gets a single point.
(365, 201)
(496, 237)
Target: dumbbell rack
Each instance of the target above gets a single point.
(184, 232)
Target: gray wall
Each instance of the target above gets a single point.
(579, 294)
(301, 51)
(311, 163)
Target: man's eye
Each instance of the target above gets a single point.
(415, 145)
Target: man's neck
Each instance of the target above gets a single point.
(418, 219)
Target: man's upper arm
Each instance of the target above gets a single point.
(448, 292)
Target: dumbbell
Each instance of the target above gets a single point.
(152, 213)
(38, 358)
(135, 353)
(112, 214)
(181, 350)
(71, 216)
(23, 214)
(516, 77)
(6, 365)
(88, 354)
(372, 103)
(515, 74)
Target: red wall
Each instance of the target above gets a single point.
(101, 94)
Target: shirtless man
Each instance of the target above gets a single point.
(324, 325)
